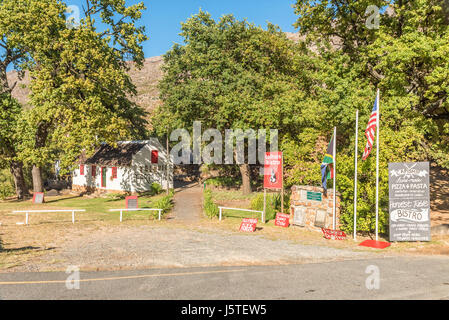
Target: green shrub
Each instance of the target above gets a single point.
(210, 207)
(274, 204)
(165, 203)
(156, 188)
(229, 182)
(6, 184)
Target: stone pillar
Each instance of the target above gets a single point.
(310, 208)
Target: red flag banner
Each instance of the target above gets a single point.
(273, 170)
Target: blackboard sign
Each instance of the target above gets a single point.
(314, 196)
(131, 202)
(409, 201)
(38, 197)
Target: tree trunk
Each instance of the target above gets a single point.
(246, 179)
(16, 169)
(38, 185)
(41, 140)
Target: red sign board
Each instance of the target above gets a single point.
(282, 220)
(334, 234)
(248, 225)
(272, 170)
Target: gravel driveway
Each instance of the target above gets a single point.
(147, 247)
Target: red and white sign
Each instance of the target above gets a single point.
(273, 170)
(248, 225)
(282, 220)
(334, 234)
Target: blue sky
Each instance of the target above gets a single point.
(162, 18)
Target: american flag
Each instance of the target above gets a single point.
(370, 131)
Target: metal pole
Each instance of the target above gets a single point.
(168, 164)
(282, 190)
(335, 178)
(264, 203)
(377, 166)
(355, 171)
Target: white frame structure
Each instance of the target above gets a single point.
(143, 209)
(27, 213)
(262, 215)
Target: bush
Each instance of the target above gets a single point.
(210, 207)
(156, 188)
(6, 184)
(226, 182)
(165, 203)
(274, 204)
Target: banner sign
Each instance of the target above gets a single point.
(248, 225)
(409, 201)
(333, 234)
(272, 170)
(282, 220)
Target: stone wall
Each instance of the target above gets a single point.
(310, 208)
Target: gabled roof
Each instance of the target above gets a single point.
(122, 156)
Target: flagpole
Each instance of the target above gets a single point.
(377, 166)
(355, 171)
(335, 177)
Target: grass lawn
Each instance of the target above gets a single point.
(47, 231)
(96, 208)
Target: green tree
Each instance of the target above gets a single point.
(405, 57)
(80, 89)
(231, 74)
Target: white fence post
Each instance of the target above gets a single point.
(220, 214)
(160, 211)
(26, 219)
(73, 217)
(121, 215)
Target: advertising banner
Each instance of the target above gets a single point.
(409, 201)
(248, 225)
(273, 170)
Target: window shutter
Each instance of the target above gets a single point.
(82, 169)
(154, 156)
(94, 171)
(114, 172)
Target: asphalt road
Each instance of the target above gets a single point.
(399, 278)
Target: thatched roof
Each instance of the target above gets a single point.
(121, 156)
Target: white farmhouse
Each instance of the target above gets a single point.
(131, 167)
